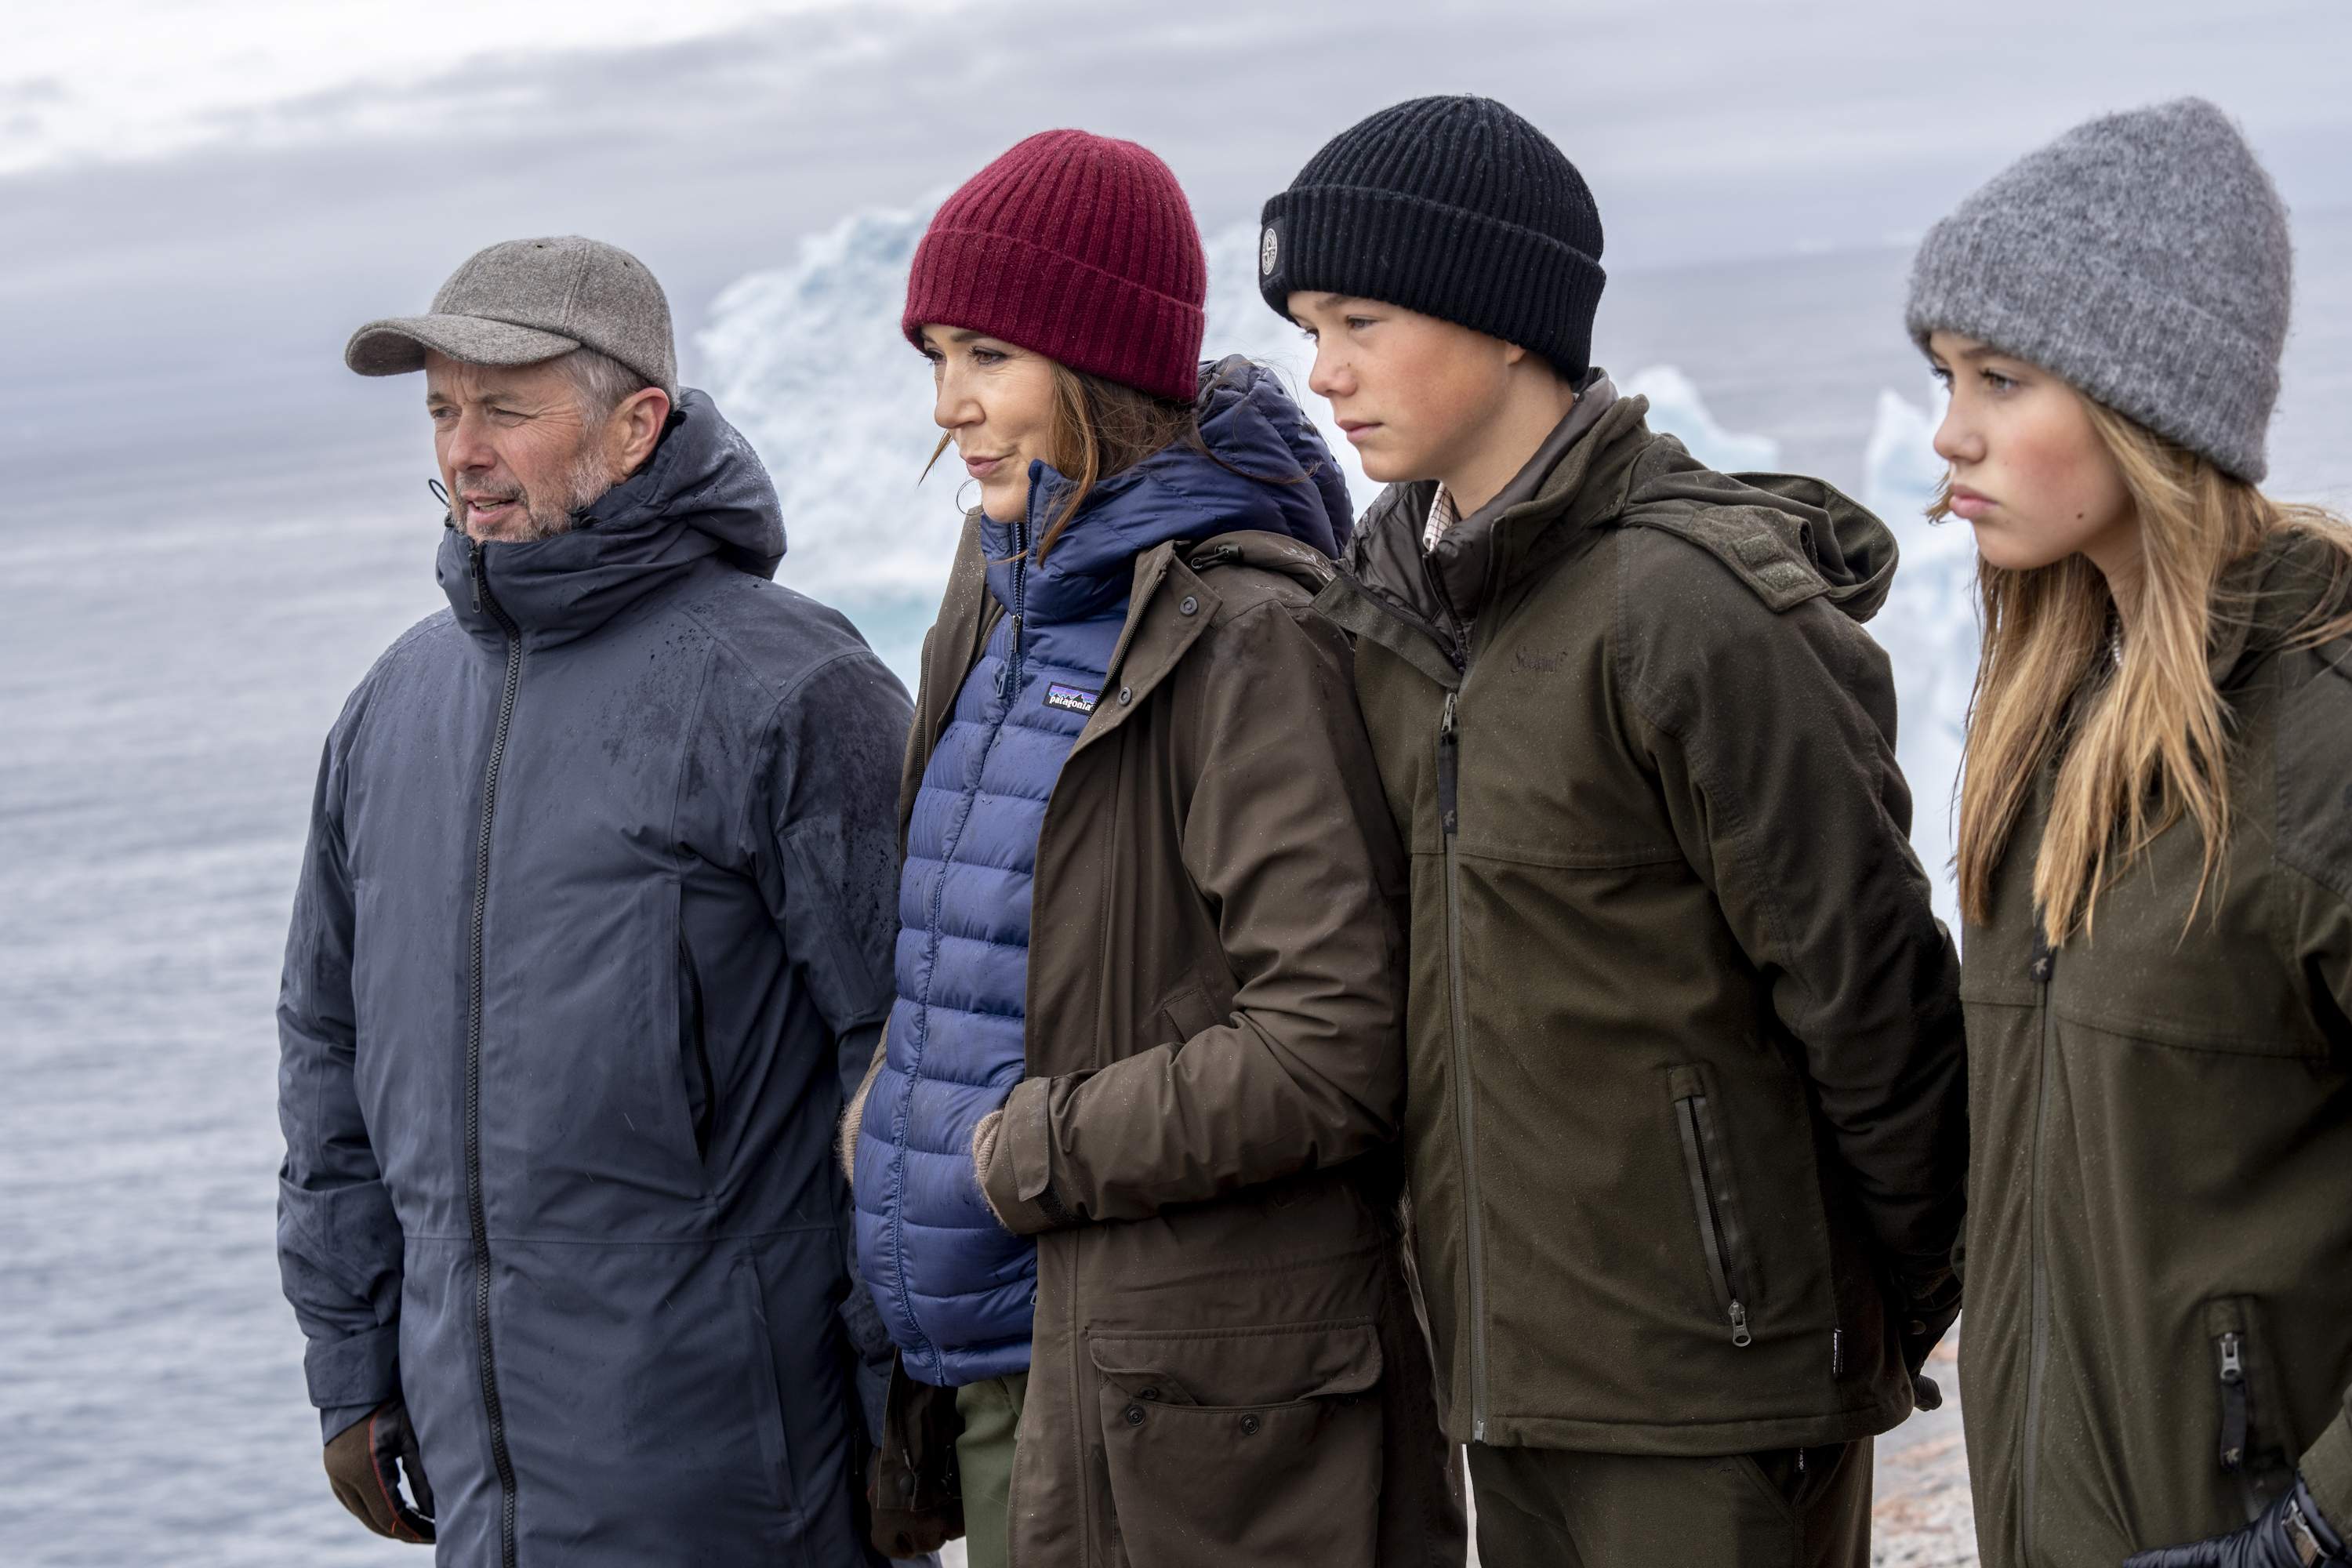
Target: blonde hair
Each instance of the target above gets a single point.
(2141, 739)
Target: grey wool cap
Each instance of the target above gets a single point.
(2141, 256)
(523, 301)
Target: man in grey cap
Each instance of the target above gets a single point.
(599, 899)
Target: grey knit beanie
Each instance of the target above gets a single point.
(2141, 256)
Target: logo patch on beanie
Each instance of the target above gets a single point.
(1270, 252)
(1069, 699)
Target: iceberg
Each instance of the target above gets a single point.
(1928, 626)
(1675, 407)
(807, 360)
(808, 363)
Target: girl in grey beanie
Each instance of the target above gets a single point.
(2159, 1249)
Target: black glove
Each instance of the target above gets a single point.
(363, 1465)
(2292, 1533)
(914, 1493)
(871, 1354)
(1931, 1303)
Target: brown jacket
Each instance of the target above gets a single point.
(1687, 1106)
(2159, 1262)
(1226, 1361)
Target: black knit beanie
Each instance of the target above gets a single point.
(1455, 208)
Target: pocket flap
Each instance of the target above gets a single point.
(1241, 1368)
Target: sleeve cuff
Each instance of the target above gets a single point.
(2327, 1467)
(334, 1423)
(360, 1369)
(1018, 1180)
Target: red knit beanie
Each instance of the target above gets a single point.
(1077, 247)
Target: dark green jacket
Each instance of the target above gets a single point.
(2159, 1262)
(1685, 1106)
(1226, 1361)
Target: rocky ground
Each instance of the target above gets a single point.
(1923, 1517)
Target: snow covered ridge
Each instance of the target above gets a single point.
(807, 360)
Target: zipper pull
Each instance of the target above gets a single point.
(2235, 1417)
(1739, 1334)
(473, 569)
(1013, 660)
(1448, 768)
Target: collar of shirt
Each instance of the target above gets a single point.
(1441, 516)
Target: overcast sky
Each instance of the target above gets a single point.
(199, 201)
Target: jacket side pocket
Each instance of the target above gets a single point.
(1723, 1231)
(2252, 1444)
(1187, 1012)
(694, 1050)
(767, 1397)
(1230, 1449)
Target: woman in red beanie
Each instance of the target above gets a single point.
(1124, 1167)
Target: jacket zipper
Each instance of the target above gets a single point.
(1010, 680)
(2235, 1421)
(2044, 963)
(1713, 1232)
(1454, 647)
(1449, 818)
(475, 1215)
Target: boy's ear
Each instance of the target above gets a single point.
(1513, 354)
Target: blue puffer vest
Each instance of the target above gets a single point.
(955, 1288)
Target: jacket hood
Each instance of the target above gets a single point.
(703, 493)
(1265, 470)
(1834, 537)
(2293, 582)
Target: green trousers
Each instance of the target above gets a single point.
(991, 1413)
(1793, 1508)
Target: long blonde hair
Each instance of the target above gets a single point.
(2141, 739)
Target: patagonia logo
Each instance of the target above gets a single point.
(1069, 697)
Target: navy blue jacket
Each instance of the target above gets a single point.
(955, 1288)
(600, 875)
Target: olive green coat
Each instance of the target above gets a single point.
(2159, 1259)
(1685, 1107)
(1226, 1368)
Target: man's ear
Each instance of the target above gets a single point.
(1513, 354)
(640, 419)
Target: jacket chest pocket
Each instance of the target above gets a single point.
(1226, 1448)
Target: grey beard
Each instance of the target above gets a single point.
(583, 485)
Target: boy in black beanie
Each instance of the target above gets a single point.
(1686, 1120)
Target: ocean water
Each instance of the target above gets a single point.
(179, 628)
